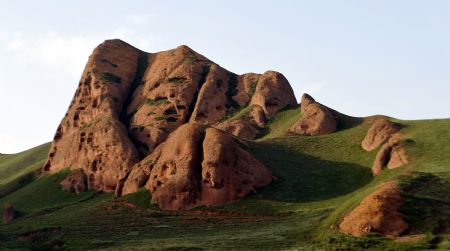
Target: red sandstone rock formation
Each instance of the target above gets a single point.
(91, 135)
(316, 119)
(129, 101)
(380, 132)
(197, 167)
(377, 213)
(392, 153)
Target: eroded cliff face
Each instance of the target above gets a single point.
(127, 104)
(91, 135)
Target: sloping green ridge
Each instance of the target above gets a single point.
(320, 178)
(16, 170)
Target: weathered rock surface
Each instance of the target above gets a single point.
(377, 213)
(391, 155)
(198, 167)
(128, 102)
(75, 182)
(240, 128)
(273, 92)
(380, 132)
(229, 172)
(316, 119)
(91, 135)
(305, 102)
(9, 213)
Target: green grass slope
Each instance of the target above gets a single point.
(320, 178)
(16, 170)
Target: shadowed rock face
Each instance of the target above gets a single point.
(129, 101)
(197, 167)
(316, 119)
(9, 213)
(377, 213)
(75, 182)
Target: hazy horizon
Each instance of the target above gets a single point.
(362, 59)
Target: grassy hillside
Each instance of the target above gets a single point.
(16, 170)
(320, 178)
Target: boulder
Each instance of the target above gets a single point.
(316, 120)
(196, 167)
(273, 93)
(380, 132)
(391, 155)
(9, 213)
(229, 172)
(377, 213)
(76, 182)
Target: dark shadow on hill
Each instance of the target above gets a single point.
(345, 122)
(304, 178)
(426, 205)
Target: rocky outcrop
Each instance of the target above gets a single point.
(9, 213)
(305, 102)
(380, 132)
(377, 213)
(316, 119)
(76, 182)
(273, 92)
(247, 125)
(128, 102)
(229, 172)
(392, 153)
(240, 128)
(91, 135)
(197, 167)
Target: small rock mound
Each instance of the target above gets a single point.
(197, 167)
(380, 132)
(9, 213)
(377, 213)
(391, 155)
(316, 119)
(76, 182)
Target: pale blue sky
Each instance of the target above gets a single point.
(360, 57)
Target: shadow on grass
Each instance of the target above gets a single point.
(304, 178)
